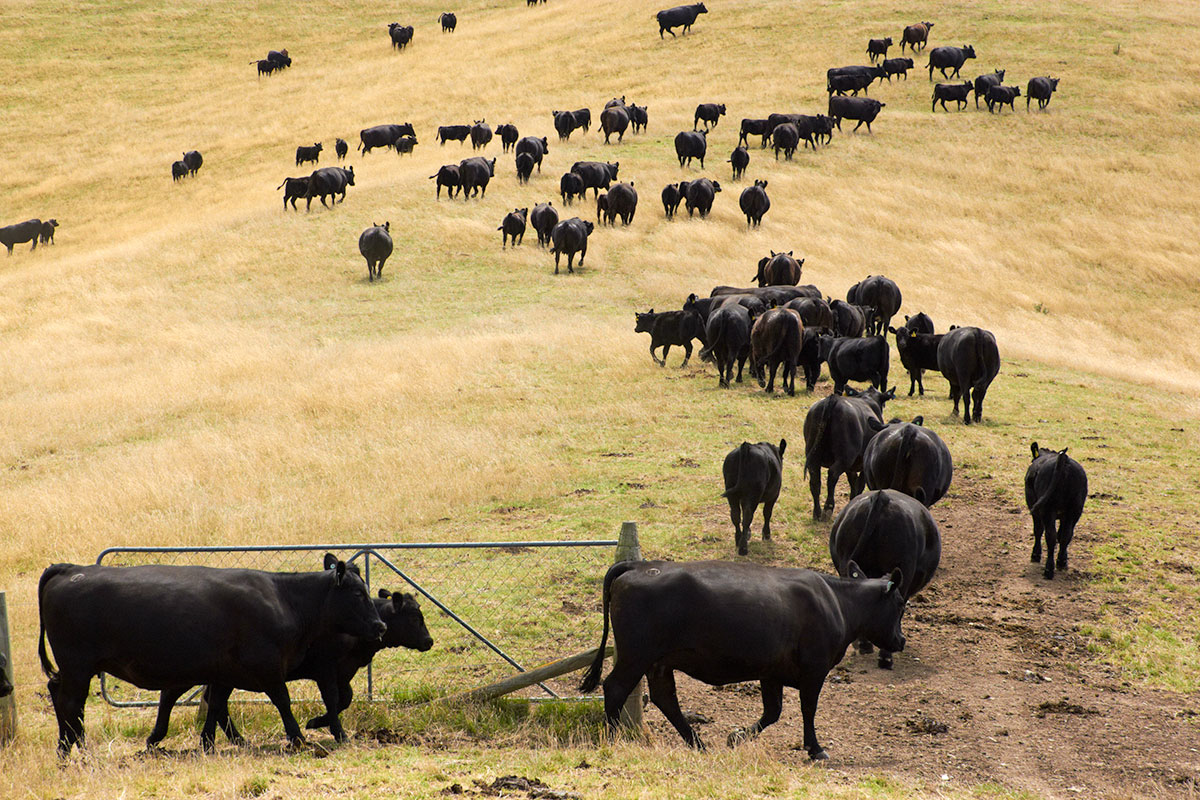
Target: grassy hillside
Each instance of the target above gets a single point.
(190, 364)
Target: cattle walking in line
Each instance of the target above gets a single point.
(672, 196)
(753, 476)
(740, 159)
(535, 147)
(28, 231)
(711, 113)
(951, 58)
(246, 629)
(884, 533)
(910, 458)
(918, 352)
(596, 175)
(999, 96)
(775, 341)
(400, 35)
(453, 133)
(727, 331)
(326, 182)
(513, 225)
(863, 109)
(341, 148)
(570, 237)
(293, 189)
(305, 153)
(622, 202)
(678, 16)
(954, 92)
(1055, 489)
(667, 328)
(916, 35)
(179, 171)
(481, 134)
(449, 21)
(508, 134)
(837, 430)
(855, 359)
(46, 235)
(570, 186)
(985, 82)
(880, 294)
(755, 203)
(779, 269)
(449, 177)
(722, 623)
(614, 120)
(1040, 89)
(896, 66)
(524, 167)
(375, 244)
(970, 360)
(543, 218)
(877, 48)
(691, 144)
(475, 173)
(700, 196)
(756, 127)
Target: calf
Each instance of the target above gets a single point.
(375, 245)
(46, 235)
(862, 109)
(564, 123)
(705, 306)
(449, 177)
(740, 159)
(513, 226)
(753, 475)
(755, 203)
(312, 154)
(970, 361)
(638, 117)
(785, 137)
(882, 533)
(985, 82)
(758, 127)
(596, 175)
(21, 232)
(265, 66)
(571, 186)
(915, 35)
(543, 218)
(837, 431)
(668, 328)
(727, 331)
(535, 147)
(508, 135)
(775, 340)
(920, 322)
(999, 96)
(700, 195)
(691, 144)
(679, 16)
(897, 66)
(877, 48)
(1055, 489)
(951, 58)
(293, 189)
(814, 312)
(956, 92)
(179, 171)
(856, 359)
(672, 196)
(400, 35)
(570, 236)
(710, 113)
(918, 352)
(341, 148)
(326, 182)
(524, 167)
(405, 144)
(910, 458)
(1040, 89)
(583, 118)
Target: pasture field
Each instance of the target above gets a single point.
(190, 365)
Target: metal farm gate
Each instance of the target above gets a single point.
(493, 608)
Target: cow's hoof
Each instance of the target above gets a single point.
(743, 551)
(866, 647)
(885, 661)
(1048, 575)
(1036, 557)
(818, 755)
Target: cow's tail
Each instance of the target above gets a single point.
(1060, 467)
(743, 454)
(47, 667)
(907, 432)
(719, 334)
(811, 448)
(280, 186)
(979, 357)
(591, 678)
(874, 512)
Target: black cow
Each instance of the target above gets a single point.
(837, 431)
(524, 167)
(779, 269)
(179, 171)
(448, 176)
(570, 237)
(672, 196)
(244, 629)
(856, 359)
(677, 16)
(341, 148)
(614, 120)
(449, 21)
(293, 189)
(481, 134)
(564, 123)
(383, 136)
(785, 137)
(405, 144)
(970, 360)
(279, 58)
(883, 296)
(375, 244)
(639, 117)
(513, 225)
(194, 161)
(615, 102)
(955, 92)
(543, 218)
(896, 66)
(700, 195)
(401, 35)
(570, 185)
(668, 328)
(849, 319)
(326, 182)
(265, 66)
(727, 331)
(596, 175)
(723, 623)
(753, 475)
(914, 35)
(775, 340)
(814, 312)
(920, 322)
(754, 203)
(862, 109)
(46, 235)
(691, 144)
(583, 118)
(853, 79)
(999, 96)
(1040, 89)
(312, 154)
(453, 133)
(710, 113)
(535, 147)
(508, 135)
(918, 352)
(475, 172)
(945, 58)
(882, 533)
(877, 48)
(622, 202)
(27, 231)
(740, 158)
(1055, 489)
(757, 127)
(985, 82)
(810, 357)
(910, 458)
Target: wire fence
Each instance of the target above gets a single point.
(493, 609)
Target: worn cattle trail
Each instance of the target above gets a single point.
(996, 686)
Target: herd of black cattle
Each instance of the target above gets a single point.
(171, 628)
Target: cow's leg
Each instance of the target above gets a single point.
(977, 402)
(814, 485)
(768, 509)
(921, 381)
(687, 354)
(740, 364)
(328, 687)
(619, 684)
(857, 481)
(653, 345)
(954, 394)
(661, 683)
(1036, 556)
(810, 692)
(772, 697)
(835, 472)
(283, 702)
(966, 400)
(1066, 532)
(748, 505)
(666, 349)
(218, 706)
(167, 699)
(1048, 525)
(771, 379)
(570, 261)
(68, 695)
(735, 516)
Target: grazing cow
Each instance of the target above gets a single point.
(837, 431)
(916, 35)
(244, 629)
(1055, 489)
(755, 203)
(970, 361)
(293, 189)
(326, 182)
(46, 234)
(535, 147)
(614, 120)
(849, 319)
(884, 532)
(508, 135)
(638, 117)
(524, 167)
(952, 58)
(862, 109)
(312, 154)
(564, 123)
(543, 218)
(679, 16)
(785, 137)
(814, 312)
(855, 359)
(753, 475)
(265, 66)
(405, 144)
(776, 339)
(481, 134)
(383, 136)
(672, 196)
(910, 458)
(475, 172)
(1000, 96)
(710, 113)
(985, 82)
(757, 127)
(740, 158)
(570, 185)
(179, 171)
(453, 133)
(27, 231)
(727, 331)
(375, 244)
(449, 21)
(622, 202)
(341, 148)
(918, 352)
(897, 66)
(956, 92)
(722, 623)
(513, 225)
(668, 328)
(877, 48)
(883, 296)
(700, 195)
(570, 237)
(779, 269)
(691, 144)
(401, 35)
(596, 175)
(194, 161)
(447, 176)
(1040, 89)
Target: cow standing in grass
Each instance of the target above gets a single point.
(1055, 490)
(667, 328)
(679, 16)
(753, 476)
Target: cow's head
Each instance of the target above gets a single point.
(888, 41)
(644, 322)
(968, 51)
(589, 227)
(349, 176)
(348, 608)
(886, 603)
(700, 9)
(317, 146)
(1053, 83)
(401, 613)
(761, 184)
(716, 186)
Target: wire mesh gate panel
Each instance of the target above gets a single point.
(493, 609)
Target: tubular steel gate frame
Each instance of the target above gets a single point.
(366, 551)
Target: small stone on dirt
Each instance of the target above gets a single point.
(927, 725)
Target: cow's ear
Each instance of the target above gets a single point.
(891, 393)
(894, 580)
(918, 420)
(339, 573)
(330, 561)
(853, 570)
(384, 594)
(1033, 448)
(891, 329)
(782, 447)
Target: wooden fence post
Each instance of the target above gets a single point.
(8, 704)
(629, 549)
